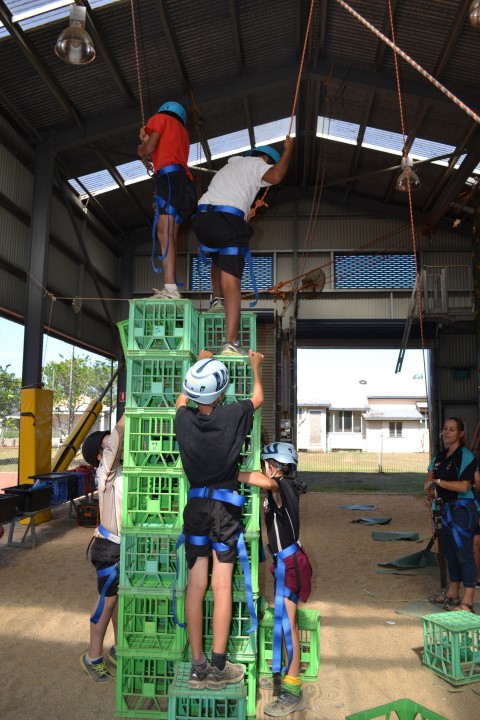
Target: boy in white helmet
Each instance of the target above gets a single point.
(210, 438)
(223, 231)
(291, 569)
(166, 140)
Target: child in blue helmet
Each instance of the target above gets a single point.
(166, 140)
(221, 226)
(291, 569)
(210, 437)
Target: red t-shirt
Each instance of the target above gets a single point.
(173, 145)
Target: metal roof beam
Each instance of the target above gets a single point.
(19, 37)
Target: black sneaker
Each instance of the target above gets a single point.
(216, 305)
(198, 676)
(285, 704)
(218, 679)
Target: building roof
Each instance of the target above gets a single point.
(393, 412)
(235, 67)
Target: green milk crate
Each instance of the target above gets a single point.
(252, 544)
(398, 710)
(142, 686)
(155, 382)
(309, 635)
(146, 623)
(451, 646)
(162, 325)
(123, 332)
(250, 452)
(150, 441)
(251, 509)
(212, 331)
(240, 375)
(242, 645)
(187, 704)
(154, 499)
(148, 562)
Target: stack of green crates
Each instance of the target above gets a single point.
(160, 340)
(242, 645)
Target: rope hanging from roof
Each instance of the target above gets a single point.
(411, 62)
(261, 201)
(146, 159)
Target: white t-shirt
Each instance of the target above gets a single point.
(109, 477)
(237, 183)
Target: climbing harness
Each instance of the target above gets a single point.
(281, 622)
(110, 573)
(225, 496)
(245, 251)
(165, 205)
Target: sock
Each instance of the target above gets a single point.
(170, 288)
(292, 684)
(200, 663)
(219, 660)
(94, 661)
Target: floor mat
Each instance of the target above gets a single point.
(358, 507)
(395, 536)
(420, 559)
(419, 608)
(373, 520)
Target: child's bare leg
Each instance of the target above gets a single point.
(196, 589)
(222, 603)
(232, 302)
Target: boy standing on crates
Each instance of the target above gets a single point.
(291, 569)
(104, 451)
(210, 438)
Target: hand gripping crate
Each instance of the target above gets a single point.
(398, 710)
(154, 499)
(156, 381)
(309, 632)
(150, 441)
(159, 325)
(146, 623)
(186, 704)
(142, 685)
(212, 331)
(451, 646)
(148, 562)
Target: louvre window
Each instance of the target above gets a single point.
(262, 267)
(374, 271)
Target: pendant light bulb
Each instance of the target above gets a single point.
(408, 176)
(74, 45)
(474, 14)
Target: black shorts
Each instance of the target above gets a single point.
(177, 190)
(220, 230)
(104, 554)
(217, 520)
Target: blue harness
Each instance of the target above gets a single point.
(202, 249)
(281, 622)
(109, 572)
(162, 204)
(226, 496)
(447, 520)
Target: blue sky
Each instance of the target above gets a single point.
(11, 347)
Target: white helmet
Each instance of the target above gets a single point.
(282, 452)
(206, 381)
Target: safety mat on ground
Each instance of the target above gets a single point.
(391, 536)
(415, 560)
(357, 507)
(419, 608)
(373, 520)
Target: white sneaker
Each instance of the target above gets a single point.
(165, 294)
(230, 348)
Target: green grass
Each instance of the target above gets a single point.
(401, 483)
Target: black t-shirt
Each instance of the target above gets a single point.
(449, 469)
(283, 523)
(210, 444)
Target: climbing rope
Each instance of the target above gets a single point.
(261, 201)
(146, 159)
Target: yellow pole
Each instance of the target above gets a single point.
(35, 451)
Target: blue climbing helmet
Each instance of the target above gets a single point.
(282, 452)
(175, 108)
(264, 150)
(206, 381)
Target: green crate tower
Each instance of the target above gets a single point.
(160, 342)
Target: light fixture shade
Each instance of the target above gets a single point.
(407, 177)
(75, 46)
(474, 14)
